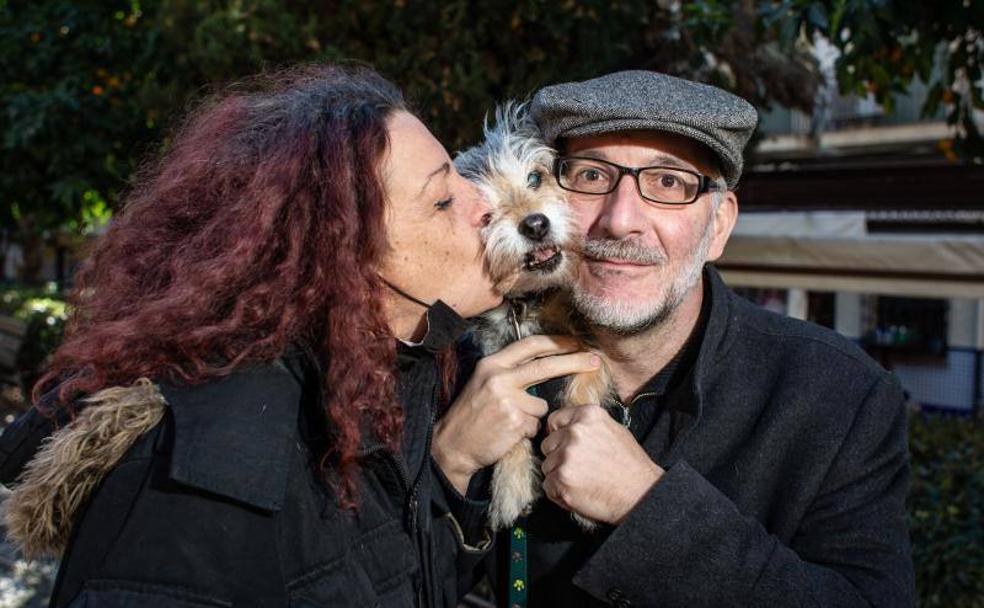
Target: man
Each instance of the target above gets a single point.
(751, 459)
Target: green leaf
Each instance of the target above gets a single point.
(817, 17)
(933, 98)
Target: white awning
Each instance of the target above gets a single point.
(919, 266)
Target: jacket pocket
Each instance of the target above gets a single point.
(378, 569)
(347, 585)
(339, 583)
(103, 593)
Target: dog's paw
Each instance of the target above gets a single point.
(515, 486)
(503, 512)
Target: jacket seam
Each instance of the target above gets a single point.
(861, 362)
(389, 583)
(850, 429)
(132, 505)
(150, 588)
(279, 538)
(81, 516)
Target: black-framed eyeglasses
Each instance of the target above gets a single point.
(657, 184)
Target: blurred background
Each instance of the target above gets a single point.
(862, 208)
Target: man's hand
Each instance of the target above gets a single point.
(593, 465)
(494, 411)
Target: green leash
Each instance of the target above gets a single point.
(518, 576)
(517, 565)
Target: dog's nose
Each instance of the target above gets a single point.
(534, 226)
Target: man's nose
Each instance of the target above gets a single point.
(624, 210)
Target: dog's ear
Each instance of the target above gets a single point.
(470, 162)
(476, 161)
(511, 132)
(514, 117)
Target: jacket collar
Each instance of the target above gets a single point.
(444, 327)
(717, 339)
(232, 436)
(720, 332)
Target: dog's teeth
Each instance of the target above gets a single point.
(542, 255)
(545, 259)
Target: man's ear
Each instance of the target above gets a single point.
(725, 217)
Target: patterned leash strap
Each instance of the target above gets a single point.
(518, 576)
(517, 564)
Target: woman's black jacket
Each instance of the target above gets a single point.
(221, 504)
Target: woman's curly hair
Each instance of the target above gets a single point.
(260, 227)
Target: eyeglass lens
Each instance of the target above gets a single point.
(662, 184)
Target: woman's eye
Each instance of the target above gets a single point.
(534, 179)
(444, 204)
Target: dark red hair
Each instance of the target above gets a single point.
(260, 227)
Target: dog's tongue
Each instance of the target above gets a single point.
(542, 255)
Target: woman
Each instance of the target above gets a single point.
(244, 399)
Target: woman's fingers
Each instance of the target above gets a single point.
(494, 410)
(543, 369)
(532, 347)
(531, 406)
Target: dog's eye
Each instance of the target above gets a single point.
(533, 180)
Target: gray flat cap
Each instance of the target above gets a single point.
(640, 100)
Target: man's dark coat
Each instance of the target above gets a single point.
(786, 476)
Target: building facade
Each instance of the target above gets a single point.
(862, 220)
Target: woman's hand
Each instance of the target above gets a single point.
(494, 411)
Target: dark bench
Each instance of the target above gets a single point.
(12, 334)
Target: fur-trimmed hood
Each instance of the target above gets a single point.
(71, 461)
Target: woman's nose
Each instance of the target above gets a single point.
(481, 210)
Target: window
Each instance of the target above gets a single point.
(910, 328)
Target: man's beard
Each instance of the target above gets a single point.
(622, 318)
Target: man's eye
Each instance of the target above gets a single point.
(589, 175)
(668, 181)
(444, 204)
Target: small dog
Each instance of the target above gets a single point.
(532, 254)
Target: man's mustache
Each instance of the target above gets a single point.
(623, 249)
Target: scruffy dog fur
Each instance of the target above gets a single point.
(532, 252)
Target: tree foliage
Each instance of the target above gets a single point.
(456, 58)
(88, 89)
(946, 511)
(72, 82)
(885, 44)
(73, 103)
